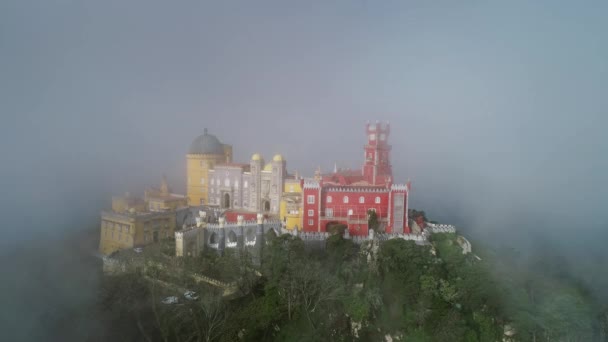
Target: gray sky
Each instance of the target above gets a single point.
(498, 110)
(494, 107)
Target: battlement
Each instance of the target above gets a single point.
(378, 127)
(399, 187)
(311, 184)
(356, 189)
(440, 228)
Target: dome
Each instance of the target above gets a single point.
(268, 167)
(277, 157)
(256, 156)
(206, 144)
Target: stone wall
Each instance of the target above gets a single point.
(250, 236)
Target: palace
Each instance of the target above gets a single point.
(313, 205)
(135, 222)
(348, 197)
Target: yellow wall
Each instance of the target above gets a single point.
(291, 190)
(124, 203)
(114, 238)
(197, 168)
(164, 204)
(125, 231)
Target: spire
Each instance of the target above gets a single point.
(335, 167)
(164, 186)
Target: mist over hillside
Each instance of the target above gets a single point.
(497, 111)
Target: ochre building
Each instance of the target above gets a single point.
(205, 152)
(135, 222)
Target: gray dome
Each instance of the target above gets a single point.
(206, 144)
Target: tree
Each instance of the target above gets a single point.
(372, 220)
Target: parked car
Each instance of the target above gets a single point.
(138, 249)
(191, 295)
(170, 300)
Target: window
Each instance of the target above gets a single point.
(329, 212)
(382, 136)
(378, 199)
(372, 137)
(291, 188)
(236, 184)
(311, 213)
(311, 222)
(245, 185)
(202, 163)
(226, 182)
(328, 199)
(350, 211)
(310, 199)
(202, 201)
(345, 200)
(361, 199)
(202, 180)
(212, 181)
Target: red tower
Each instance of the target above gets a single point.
(377, 168)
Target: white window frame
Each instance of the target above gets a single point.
(311, 213)
(310, 199)
(329, 199)
(350, 212)
(362, 199)
(311, 222)
(345, 199)
(377, 200)
(329, 212)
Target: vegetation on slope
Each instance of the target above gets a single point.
(350, 292)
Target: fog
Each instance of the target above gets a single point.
(498, 113)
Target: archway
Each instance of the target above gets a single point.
(266, 205)
(226, 201)
(231, 236)
(250, 235)
(213, 238)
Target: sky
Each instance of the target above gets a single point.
(498, 109)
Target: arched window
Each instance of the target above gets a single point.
(328, 199)
(361, 199)
(227, 182)
(378, 199)
(345, 199)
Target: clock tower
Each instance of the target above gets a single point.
(377, 168)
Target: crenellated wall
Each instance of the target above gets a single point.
(250, 236)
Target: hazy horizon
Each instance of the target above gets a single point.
(498, 111)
